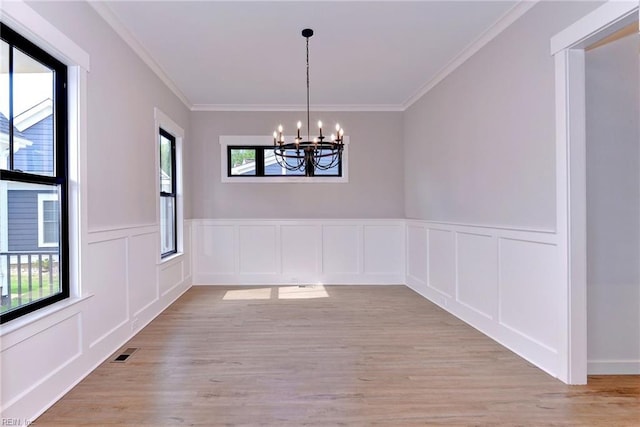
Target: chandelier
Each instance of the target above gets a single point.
(308, 155)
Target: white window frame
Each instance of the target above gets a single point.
(21, 18)
(163, 121)
(45, 197)
(227, 140)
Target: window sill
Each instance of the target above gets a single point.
(170, 258)
(40, 315)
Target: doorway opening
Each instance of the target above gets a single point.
(569, 49)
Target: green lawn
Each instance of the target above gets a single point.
(36, 292)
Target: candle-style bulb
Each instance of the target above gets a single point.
(299, 124)
(337, 127)
(280, 128)
(333, 137)
(275, 134)
(320, 124)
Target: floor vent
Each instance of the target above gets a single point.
(124, 356)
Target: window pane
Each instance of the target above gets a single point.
(243, 161)
(4, 104)
(166, 165)
(273, 168)
(33, 141)
(29, 271)
(167, 224)
(325, 162)
(50, 215)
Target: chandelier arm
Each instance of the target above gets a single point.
(283, 162)
(281, 158)
(335, 157)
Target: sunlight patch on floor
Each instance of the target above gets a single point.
(247, 294)
(278, 292)
(302, 292)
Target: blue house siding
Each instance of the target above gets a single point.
(38, 158)
(23, 220)
(22, 205)
(276, 170)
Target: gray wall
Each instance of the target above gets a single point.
(374, 190)
(480, 146)
(122, 93)
(613, 200)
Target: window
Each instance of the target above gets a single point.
(48, 220)
(34, 236)
(168, 205)
(252, 159)
(260, 160)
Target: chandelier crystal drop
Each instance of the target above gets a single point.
(306, 154)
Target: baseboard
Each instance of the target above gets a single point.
(613, 367)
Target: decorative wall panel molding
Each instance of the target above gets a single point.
(350, 251)
(504, 282)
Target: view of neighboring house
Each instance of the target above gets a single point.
(247, 166)
(29, 218)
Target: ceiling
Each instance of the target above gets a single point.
(242, 55)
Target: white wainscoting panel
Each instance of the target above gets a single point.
(442, 261)
(187, 239)
(529, 297)
(143, 285)
(108, 267)
(378, 259)
(300, 249)
(503, 282)
(417, 259)
(340, 249)
(478, 273)
(331, 251)
(257, 244)
(35, 353)
(171, 275)
(214, 249)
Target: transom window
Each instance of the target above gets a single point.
(252, 159)
(259, 160)
(34, 242)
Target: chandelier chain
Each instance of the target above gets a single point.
(321, 153)
(308, 119)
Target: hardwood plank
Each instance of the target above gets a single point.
(363, 355)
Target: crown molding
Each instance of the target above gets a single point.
(276, 107)
(485, 37)
(110, 18)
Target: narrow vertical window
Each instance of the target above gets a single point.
(34, 237)
(168, 206)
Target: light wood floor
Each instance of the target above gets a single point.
(362, 355)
